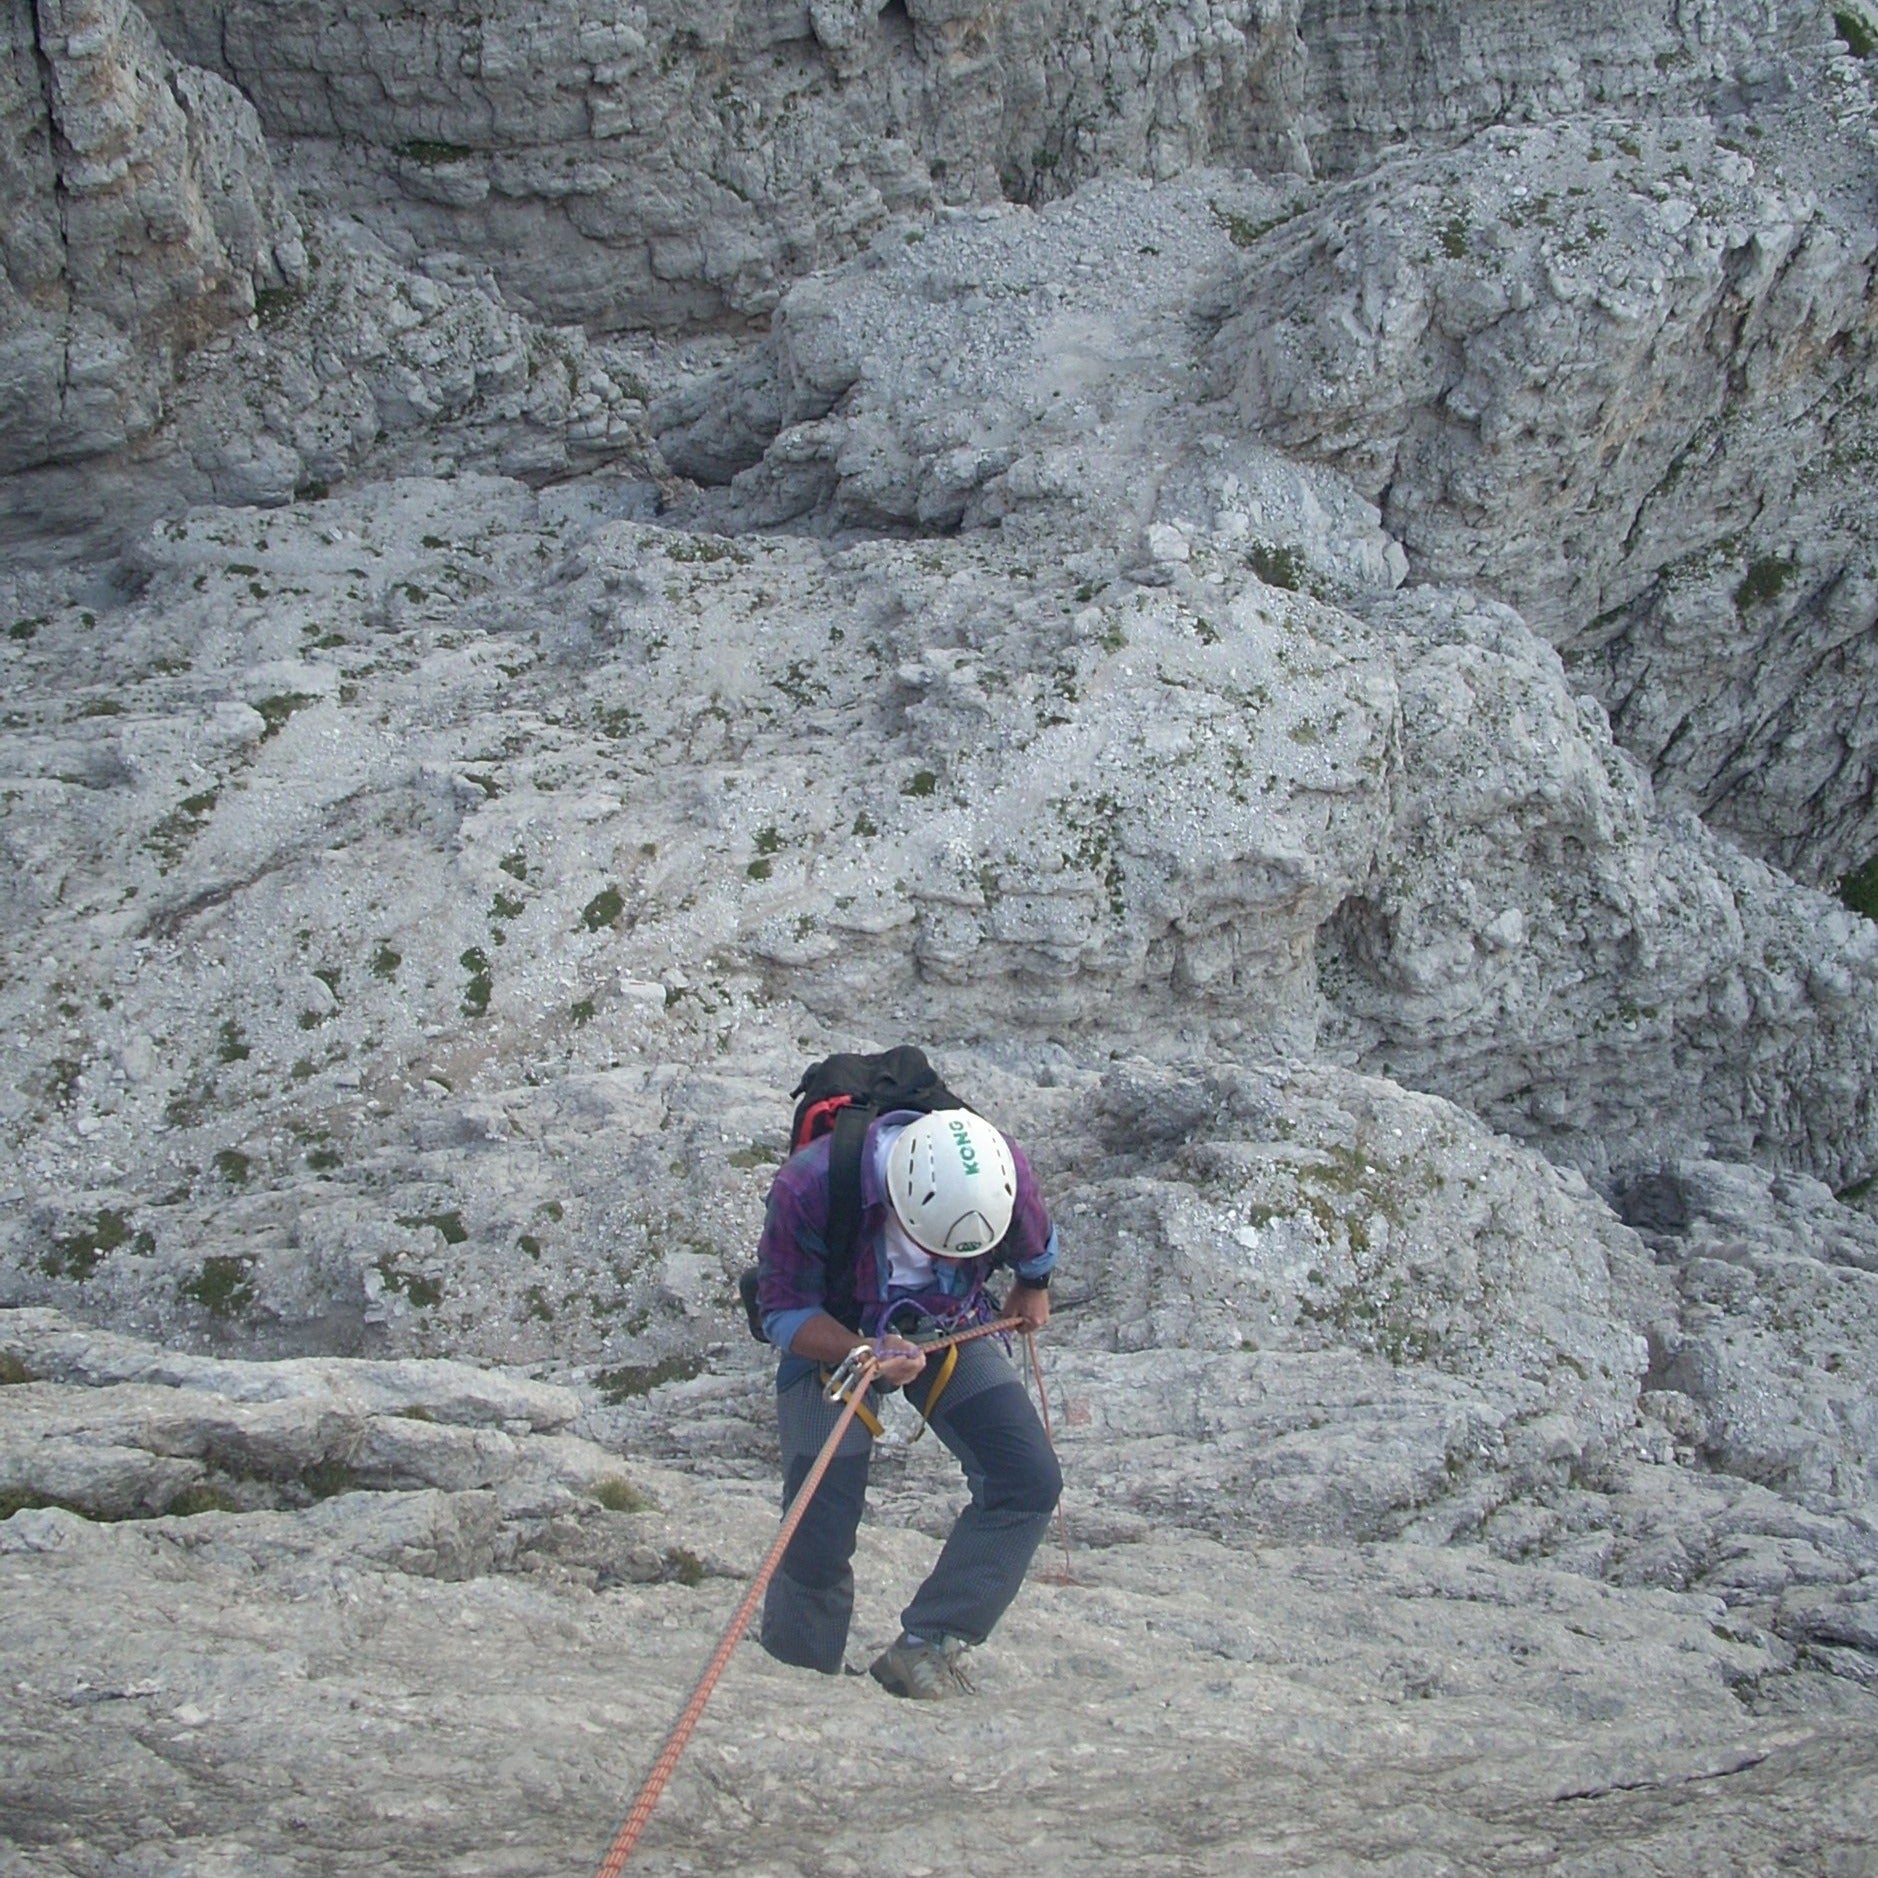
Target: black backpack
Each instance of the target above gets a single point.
(841, 1096)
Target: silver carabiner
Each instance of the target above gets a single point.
(854, 1368)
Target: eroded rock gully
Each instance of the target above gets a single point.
(1287, 586)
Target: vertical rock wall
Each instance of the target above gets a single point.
(680, 164)
(1617, 372)
(677, 165)
(143, 218)
(1380, 73)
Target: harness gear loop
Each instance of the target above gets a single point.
(666, 1765)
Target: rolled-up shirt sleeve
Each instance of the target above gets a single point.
(1029, 1246)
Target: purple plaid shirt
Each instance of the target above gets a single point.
(792, 1255)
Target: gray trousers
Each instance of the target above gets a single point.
(986, 1419)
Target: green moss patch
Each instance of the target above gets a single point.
(636, 1379)
(705, 548)
(476, 993)
(618, 1495)
(15, 1500)
(326, 1479)
(683, 1565)
(273, 304)
(76, 1255)
(450, 1224)
(1859, 890)
(1241, 230)
(1764, 581)
(425, 1293)
(431, 153)
(224, 1286)
(1277, 567)
(602, 910)
(201, 1498)
(275, 711)
(1852, 28)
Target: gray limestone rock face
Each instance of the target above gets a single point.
(1298, 1220)
(171, 331)
(1775, 1279)
(1029, 371)
(671, 165)
(434, 835)
(453, 1675)
(53, 1349)
(674, 165)
(1627, 401)
(144, 218)
(1522, 835)
(362, 367)
(114, 1429)
(1450, 330)
(1380, 74)
(1613, 371)
(385, 851)
(493, 1112)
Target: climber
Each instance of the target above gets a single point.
(945, 1198)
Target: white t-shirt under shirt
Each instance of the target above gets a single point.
(908, 1268)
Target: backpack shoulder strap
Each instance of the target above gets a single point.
(844, 1190)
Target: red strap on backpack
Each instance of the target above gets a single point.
(818, 1119)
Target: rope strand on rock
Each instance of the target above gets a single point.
(1049, 1434)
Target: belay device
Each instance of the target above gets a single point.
(841, 1096)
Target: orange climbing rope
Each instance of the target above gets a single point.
(856, 1374)
(1049, 1434)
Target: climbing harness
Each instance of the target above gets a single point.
(946, 1367)
(848, 1384)
(840, 1382)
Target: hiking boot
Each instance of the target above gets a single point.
(924, 1672)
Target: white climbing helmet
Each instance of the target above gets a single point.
(952, 1184)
